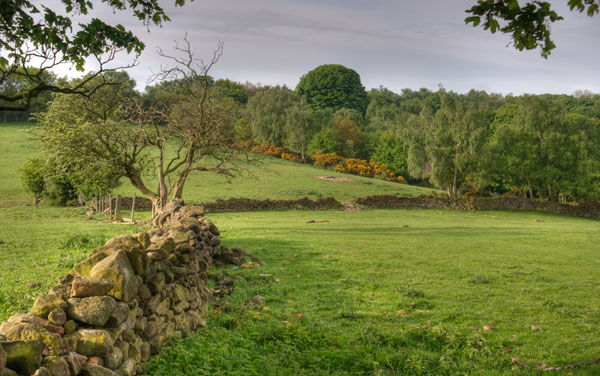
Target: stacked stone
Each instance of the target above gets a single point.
(117, 307)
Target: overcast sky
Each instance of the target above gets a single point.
(394, 43)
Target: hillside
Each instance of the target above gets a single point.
(272, 178)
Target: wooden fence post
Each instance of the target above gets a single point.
(118, 216)
(110, 206)
(132, 207)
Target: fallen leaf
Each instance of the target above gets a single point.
(400, 313)
(541, 366)
(298, 316)
(411, 304)
(297, 275)
(487, 327)
(249, 265)
(533, 327)
(506, 350)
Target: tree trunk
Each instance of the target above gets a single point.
(552, 194)
(133, 208)
(163, 214)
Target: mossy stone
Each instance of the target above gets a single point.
(44, 304)
(56, 366)
(93, 342)
(93, 310)
(84, 286)
(84, 267)
(2, 357)
(117, 269)
(24, 357)
(23, 331)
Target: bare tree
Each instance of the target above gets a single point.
(190, 131)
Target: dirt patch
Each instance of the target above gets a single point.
(333, 178)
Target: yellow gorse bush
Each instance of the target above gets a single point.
(354, 166)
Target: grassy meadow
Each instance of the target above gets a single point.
(376, 292)
(273, 178)
(401, 292)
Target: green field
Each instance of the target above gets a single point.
(273, 178)
(394, 292)
(401, 292)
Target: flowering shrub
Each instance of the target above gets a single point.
(361, 167)
(269, 149)
(365, 168)
(291, 157)
(326, 159)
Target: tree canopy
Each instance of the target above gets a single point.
(527, 24)
(333, 86)
(31, 32)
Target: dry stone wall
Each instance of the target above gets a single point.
(583, 209)
(117, 307)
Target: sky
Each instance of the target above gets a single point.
(392, 43)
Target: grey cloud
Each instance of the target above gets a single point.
(393, 43)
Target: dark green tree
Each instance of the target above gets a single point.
(232, 89)
(333, 86)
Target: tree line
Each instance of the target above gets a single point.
(539, 146)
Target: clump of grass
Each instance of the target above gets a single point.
(68, 261)
(82, 241)
(480, 280)
(414, 293)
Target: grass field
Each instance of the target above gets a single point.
(39, 245)
(273, 178)
(401, 292)
(394, 292)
